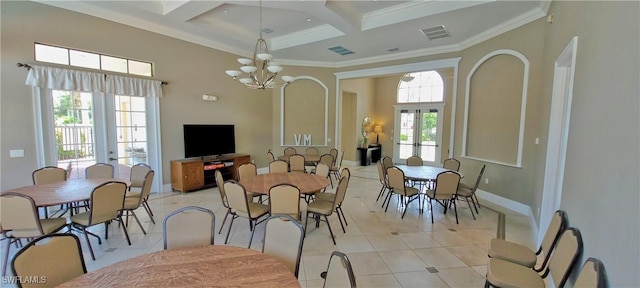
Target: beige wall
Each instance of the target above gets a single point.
(601, 182)
(364, 91)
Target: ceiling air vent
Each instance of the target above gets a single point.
(341, 50)
(436, 32)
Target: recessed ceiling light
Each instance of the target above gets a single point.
(308, 19)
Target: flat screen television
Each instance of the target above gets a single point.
(208, 140)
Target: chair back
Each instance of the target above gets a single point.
(278, 166)
(283, 237)
(146, 185)
(345, 173)
(99, 171)
(270, 156)
(334, 153)
(381, 175)
(592, 275)
(475, 187)
(296, 163)
(247, 171)
(289, 151)
(138, 173)
(446, 185)
(341, 191)
(327, 159)
(414, 161)
(322, 170)
(106, 202)
(395, 177)
(387, 162)
(48, 174)
(565, 256)
(284, 199)
(339, 271)
(188, 226)
(20, 215)
(451, 164)
(557, 225)
(237, 197)
(339, 159)
(311, 151)
(220, 184)
(58, 257)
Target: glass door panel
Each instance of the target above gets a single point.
(130, 132)
(418, 127)
(406, 142)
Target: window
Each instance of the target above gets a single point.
(78, 58)
(421, 87)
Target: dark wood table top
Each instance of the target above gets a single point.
(72, 190)
(200, 266)
(307, 183)
(307, 158)
(422, 173)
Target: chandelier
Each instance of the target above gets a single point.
(259, 72)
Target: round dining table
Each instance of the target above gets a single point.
(422, 173)
(199, 266)
(307, 183)
(63, 192)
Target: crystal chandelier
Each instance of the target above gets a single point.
(259, 73)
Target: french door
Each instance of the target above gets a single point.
(80, 129)
(418, 133)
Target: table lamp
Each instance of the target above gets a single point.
(377, 129)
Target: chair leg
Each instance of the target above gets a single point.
(330, 232)
(148, 207)
(471, 209)
(223, 220)
(126, 234)
(148, 212)
(306, 221)
(406, 206)
(380, 193)
(139, 224)
(343, 218)
(226, 240)
(431, 208)
(86, 237)
(339, 219)
(477, 202)
(455, 210)
(252, 232)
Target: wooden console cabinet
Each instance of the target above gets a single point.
(197, 173)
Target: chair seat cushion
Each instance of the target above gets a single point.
(257, 209)
(81, 218)
(512, 252)
(411, 191)
(132, 194)
(131, 203)
(49, 226)
(465, 186)
(505, 274)
(325, 196)
(464, 192)
(320, 207)
(432, 194)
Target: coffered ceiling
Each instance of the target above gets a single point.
(325, 33)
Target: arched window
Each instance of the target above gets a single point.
(421, 87)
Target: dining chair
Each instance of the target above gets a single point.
(290, 151)
(247, 171)
(242, 207)
(106, 204)
(137, 181)
(297, 163)
(444, 191)
(325, 208)
(133, 203)
(331, 197)
(99, 171)
(311, 151)
(523, 255)
(334, 153)
(283, 239)
(451, 164)
(469, 192)
(397, 184)
(278, 166)
(223, 196)
(270, 156)
(188, 226)
(328, 160)
(335, 168)
(387, 162)
(414, 161)
(56, 258)
(592, 275)
(20, 220)
(382, 177)
(339, 271)
(284, 199)
(46, 175)
(501, 273)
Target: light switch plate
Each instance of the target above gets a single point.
(16, 153)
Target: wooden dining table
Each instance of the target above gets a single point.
(307, 183)
(199, 266)
(63, 192)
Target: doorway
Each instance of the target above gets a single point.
(419, 133)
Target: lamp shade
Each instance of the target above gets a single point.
(377, 129)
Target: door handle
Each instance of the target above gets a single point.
(112, 159)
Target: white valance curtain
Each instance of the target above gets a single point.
(75, 80)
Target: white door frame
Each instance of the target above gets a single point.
(564, 72)
(415, 108)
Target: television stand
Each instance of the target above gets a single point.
(198, 173)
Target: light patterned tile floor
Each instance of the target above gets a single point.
(385, 250)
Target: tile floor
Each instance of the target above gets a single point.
(385, 250)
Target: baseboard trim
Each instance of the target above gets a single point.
(513, 206)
